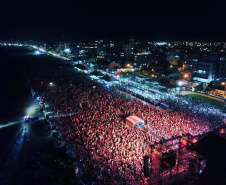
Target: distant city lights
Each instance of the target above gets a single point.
(161, 43)
(37, 53)
(67, 50)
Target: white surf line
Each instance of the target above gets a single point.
(9, 124)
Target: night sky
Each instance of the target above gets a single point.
(160, 20)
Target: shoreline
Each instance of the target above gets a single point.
(17, 145)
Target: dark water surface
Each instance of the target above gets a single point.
(14, 90)
(15, 97)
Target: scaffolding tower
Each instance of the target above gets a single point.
(174, 163)
(84, 101)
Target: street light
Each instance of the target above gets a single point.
(186, 75)
(180, 83)
(224, 83)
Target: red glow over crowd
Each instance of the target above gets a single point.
(110, 148)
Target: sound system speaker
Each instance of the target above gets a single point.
(146, 167)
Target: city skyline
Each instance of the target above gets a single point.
(152, 20)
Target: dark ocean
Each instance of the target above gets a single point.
(14, 91)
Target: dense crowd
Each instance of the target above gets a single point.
(189, 116)
(112, 150)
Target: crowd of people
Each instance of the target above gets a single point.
(113, 152)
(189, 116)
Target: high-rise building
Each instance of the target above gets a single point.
(129, 49)
(131, 41)
(206, 72)
(222, 67)
(207, 68)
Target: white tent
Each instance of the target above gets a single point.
(134, 121)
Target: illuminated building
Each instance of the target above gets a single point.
(207, 68)
(129, 49)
